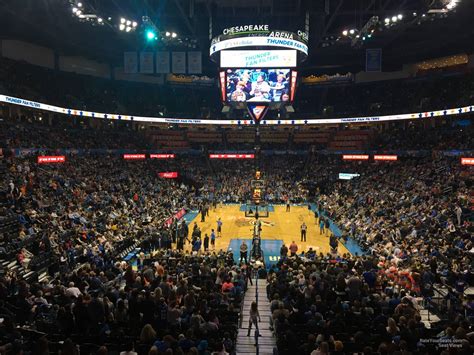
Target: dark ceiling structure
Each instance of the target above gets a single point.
(51, 23)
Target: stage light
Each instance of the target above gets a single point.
(122, 20)
(129, 22)
(352, 32)
(452, 4)
(78, 12)
(150, 35)
(99, 20)
(134, 24)
(387, 21)
(344, 33)
(110, 19)
(167, 34)
(174, 35)
(369, 35)
(74, 10)
(79, 4)
(400, 16)
(414, 14)
(121, 27)
(128, 29)
(394, 19)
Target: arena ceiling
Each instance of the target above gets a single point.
(50, 23)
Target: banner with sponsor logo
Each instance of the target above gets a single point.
(163, 62)
(328, 79)
(130, 62)
(178, 61)
(50, 159)
(180, 214)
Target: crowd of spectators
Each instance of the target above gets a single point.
(414, 219)
(77, 219)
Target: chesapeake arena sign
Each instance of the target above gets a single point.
(259, 30)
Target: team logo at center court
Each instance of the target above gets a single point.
(244, 221)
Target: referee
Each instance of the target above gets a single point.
(303, 232)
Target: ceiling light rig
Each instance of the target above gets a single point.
(84, 12)
(439, 10)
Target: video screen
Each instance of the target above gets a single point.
(258, 85)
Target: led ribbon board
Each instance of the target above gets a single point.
(45, 159)
(168, 175)
(256, 41)
(134, 156)
(197, 121)
(231, 156)
(258, 59)
(386, 157)
(162, 156)
(467, 161)
(355, 157)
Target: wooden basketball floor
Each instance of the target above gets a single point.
(280, 225)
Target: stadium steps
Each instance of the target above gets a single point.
(266, 342)
(427, 317)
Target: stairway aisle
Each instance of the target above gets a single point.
(266, 342)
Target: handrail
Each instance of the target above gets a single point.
(257, 331)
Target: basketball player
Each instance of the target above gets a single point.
(219, 228)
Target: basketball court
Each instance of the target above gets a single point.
(278, 228)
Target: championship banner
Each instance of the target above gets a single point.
(373, 60)
(45, 159)
(163, 62)
(178, 60)
(147, 66)
(194, 62)
(130, 62)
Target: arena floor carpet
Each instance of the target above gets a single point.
(279, 226)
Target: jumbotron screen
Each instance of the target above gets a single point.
(258, 85)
